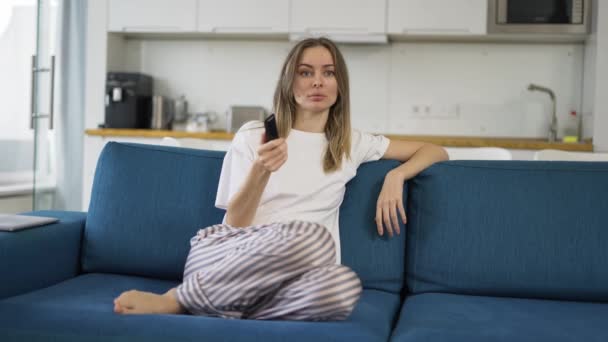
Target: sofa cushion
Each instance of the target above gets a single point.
(379, 261)
(463, 318)
(510, 228)
(147, 202)
(80, 309)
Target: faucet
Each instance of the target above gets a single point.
(553, 125)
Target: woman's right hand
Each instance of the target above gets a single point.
(272, 155)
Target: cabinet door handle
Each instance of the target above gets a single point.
(151, 28)
(436, 31)
(32, 88)
(52, 104)
(237, 29)
(337, 30)
(34, 114)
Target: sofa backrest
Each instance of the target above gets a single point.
(148, 201)
(516, 228)
(379, 261)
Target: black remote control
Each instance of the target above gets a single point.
(270, 124)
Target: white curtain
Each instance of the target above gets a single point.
(70, 84)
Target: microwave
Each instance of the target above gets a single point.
(539, 16)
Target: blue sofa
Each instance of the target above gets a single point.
(493, 251)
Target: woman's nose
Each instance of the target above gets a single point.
(317, 82)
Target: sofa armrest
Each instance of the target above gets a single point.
(38, 257)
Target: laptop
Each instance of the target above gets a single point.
(11, 223)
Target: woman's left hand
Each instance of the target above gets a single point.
(390, 204)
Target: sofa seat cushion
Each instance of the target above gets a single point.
(450, 317)
(80, 309)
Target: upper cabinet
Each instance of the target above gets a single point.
(152, 15)
(437, 17)
(345, 21)
(243, 16)
(342, 20)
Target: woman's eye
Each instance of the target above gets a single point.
(305, 73)
(330, 73)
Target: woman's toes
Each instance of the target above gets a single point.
(140, 302)
(126, 299)
(123, 302)
(131, 312)
(117, 306)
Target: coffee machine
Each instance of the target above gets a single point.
(128, 100)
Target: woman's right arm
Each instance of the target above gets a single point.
(244, 204)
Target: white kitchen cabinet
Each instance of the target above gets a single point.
(152, 15)
(522, 154)
(243, 16)
(341, 20)
(437, 17)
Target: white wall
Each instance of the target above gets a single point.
(481, 88)
(589, 61)
(470, 89)
(600, 100)
(96, 59)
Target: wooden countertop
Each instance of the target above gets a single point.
(448, 141)
(157, 133)
(508, 143)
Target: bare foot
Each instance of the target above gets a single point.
(140, 302)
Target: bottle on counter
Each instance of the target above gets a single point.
(574, 128)
(181, 109)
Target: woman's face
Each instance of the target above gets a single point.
(315, 87)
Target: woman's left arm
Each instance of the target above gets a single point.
(416, 156)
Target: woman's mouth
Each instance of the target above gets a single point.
(317, 97)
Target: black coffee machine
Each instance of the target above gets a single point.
(128, 100)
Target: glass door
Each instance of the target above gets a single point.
(42, 118)
(27, 140)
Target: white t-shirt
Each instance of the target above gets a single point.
(299, 190)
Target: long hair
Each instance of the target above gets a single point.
(337, 129)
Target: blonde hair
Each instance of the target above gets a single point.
(337, 128)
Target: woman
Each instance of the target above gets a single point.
(277, 254)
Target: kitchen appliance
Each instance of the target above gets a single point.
(238, 115)
(163, 112)
(539, 16)
(128, 100)
(181, 109)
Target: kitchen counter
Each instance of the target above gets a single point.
(448, 141)
(157, 133)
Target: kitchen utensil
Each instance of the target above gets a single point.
(162, 112)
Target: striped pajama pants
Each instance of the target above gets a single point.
(281, 271)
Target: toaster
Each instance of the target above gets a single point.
(238, 115)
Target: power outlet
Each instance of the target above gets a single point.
(416, 110)
(435, 111)
(445, 111)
